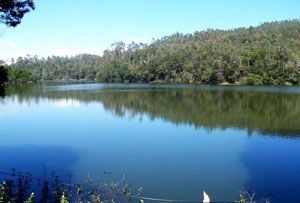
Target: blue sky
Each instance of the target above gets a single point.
(69, 27)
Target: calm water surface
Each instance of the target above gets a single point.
(174, 140)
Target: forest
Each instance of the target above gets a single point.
(13, 75)
(268, 54)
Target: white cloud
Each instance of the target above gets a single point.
(72, 52)
(63, 103)
(8, 43)
(8, 111)
(7, 54)
(8, 49)
(14, 52)
(12, 49)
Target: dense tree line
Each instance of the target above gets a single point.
(268, 54)
(60, 68)
(15, 75)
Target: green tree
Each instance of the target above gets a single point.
(12, 11)
(3, 75)
(19, 75)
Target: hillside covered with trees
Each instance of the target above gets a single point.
(268, 54)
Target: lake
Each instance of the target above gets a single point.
(173, 140)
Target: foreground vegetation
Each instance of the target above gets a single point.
(268, 54)
(18, 187)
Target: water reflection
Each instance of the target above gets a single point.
(2, 92)
(269, 112)
(38, 159)
(273, 167)
(174, 140)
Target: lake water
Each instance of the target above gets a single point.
(174, 140)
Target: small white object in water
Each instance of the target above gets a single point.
(206, 198)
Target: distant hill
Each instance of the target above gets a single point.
(268, 54)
